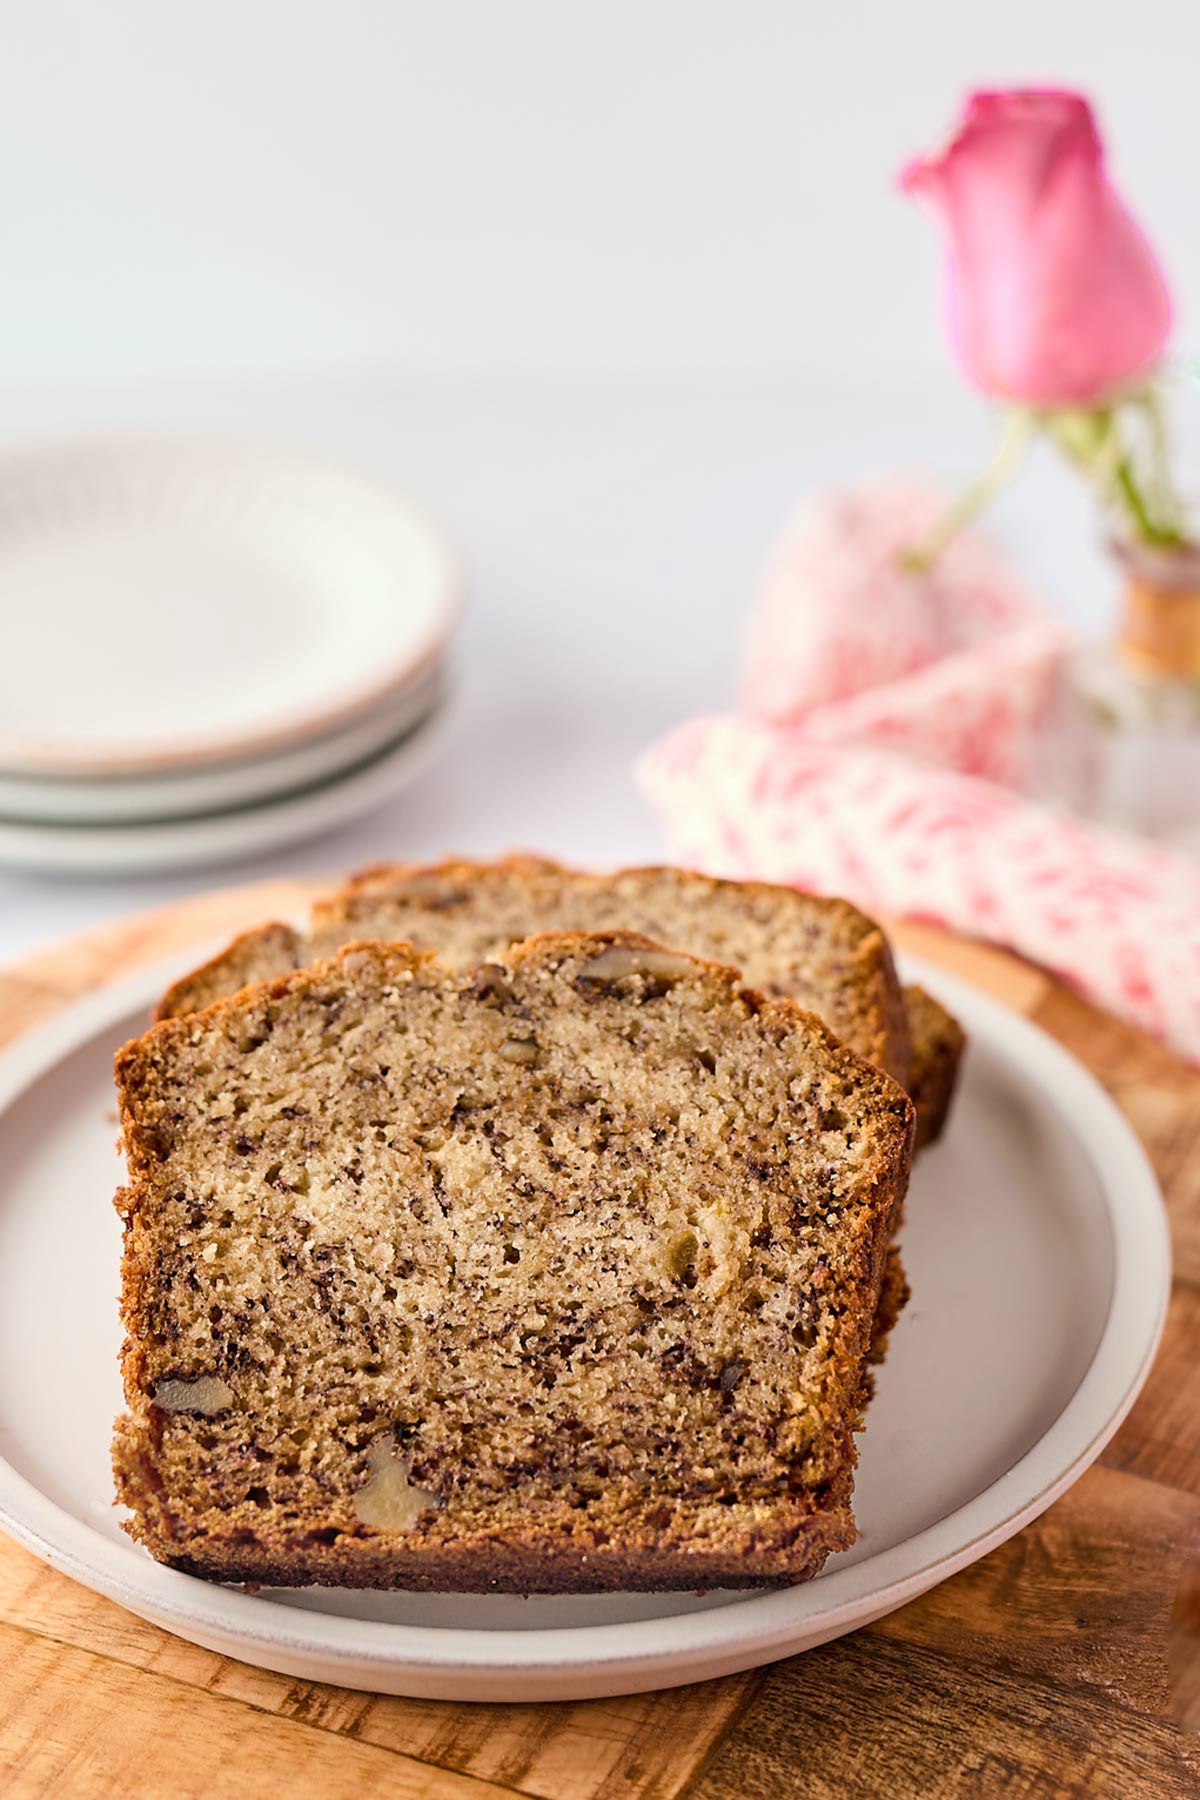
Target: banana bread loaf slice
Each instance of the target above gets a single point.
(558, 1273)
(823, 953)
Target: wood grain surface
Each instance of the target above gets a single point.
(1065, 1664)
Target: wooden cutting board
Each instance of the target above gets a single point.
(1067, 1663)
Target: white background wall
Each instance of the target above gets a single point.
(606, 284)
(212, 187)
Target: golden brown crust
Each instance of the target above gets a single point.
(631, 1536)
(542, 1565)
(257, 955)
(558, 1556)
(894, 1295)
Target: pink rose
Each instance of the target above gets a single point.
(1054, 296)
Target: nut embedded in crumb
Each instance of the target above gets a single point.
(207, 1394)
(389, 1501)
(681, 1253)
(489, 982)
(622, 960)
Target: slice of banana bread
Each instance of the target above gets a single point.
(555, 1274)
(823, 953)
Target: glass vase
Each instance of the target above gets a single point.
(1130, 749)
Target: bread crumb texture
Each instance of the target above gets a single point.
(558, 1272)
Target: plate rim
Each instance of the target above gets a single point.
(178, 795)
(232, 833)
(167, 454)
(743, 1632)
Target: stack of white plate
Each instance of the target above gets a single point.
(208, 652)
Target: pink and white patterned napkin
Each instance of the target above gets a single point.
(904, 792)
(957, 666)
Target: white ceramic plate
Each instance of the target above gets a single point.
(1037, 1248)
(212, 787)
(168, 604)
(225, 836)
